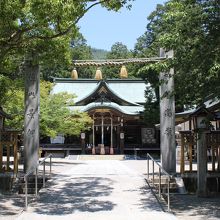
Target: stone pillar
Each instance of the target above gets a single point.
(201, 164)
(31, 119)
(167, 118)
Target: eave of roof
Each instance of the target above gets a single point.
(126, 110)
(210, 105)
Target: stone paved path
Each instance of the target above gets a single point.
(97, 190)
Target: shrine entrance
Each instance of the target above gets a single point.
(106, 130)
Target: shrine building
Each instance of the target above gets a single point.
(116, 107)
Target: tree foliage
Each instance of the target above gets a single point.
(191, 28)
(43, 26)
(13, 103)
(99, 54)
(78, 50)
(55, 115)
(118, 51)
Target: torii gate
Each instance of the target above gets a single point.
(167, 108)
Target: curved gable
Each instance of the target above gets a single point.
(103, 93)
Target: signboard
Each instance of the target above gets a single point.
(148, 135)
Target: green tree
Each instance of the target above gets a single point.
(13, 104)
(55, 115)
(43, 26)
(191, 28)
(118, 51)
(79, 50)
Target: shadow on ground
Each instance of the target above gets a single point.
(147, 201)
(195, 206)
(11, 205)
(84, 194)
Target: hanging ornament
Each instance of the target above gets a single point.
(74, 74)
(98, 74)
(123, 72)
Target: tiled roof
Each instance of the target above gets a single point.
(127, 90)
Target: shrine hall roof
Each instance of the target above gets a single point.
(130, 90)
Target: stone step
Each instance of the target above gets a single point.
(163, 180)
(101, 157)
(20, 185)
(176, 184)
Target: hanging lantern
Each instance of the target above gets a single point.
(74, 74)
(98, 74)
(123, 72)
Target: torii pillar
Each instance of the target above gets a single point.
(167, 117)
(31, 123)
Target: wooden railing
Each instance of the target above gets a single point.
(213, 149)
(8, 147)
(188, 154)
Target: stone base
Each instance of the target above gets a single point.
(111, 150)
(93, 150)
(102, 149)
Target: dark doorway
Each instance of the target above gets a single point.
(107, 136)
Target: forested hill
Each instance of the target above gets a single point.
(99, 54)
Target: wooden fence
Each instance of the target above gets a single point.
(188, 155)
(8, 151)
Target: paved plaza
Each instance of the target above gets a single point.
(104, 189)
(97, 189)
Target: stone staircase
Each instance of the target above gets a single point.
(101, 157)
(176, 184)
(19, 184)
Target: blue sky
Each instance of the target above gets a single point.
(103, 28)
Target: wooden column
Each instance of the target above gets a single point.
(167, 117)
(111, 147)
(102, 130)
(190, 156)
(31, 123)
(213, 147)
(122, 143)
(8, 157)
(93, 136)
(1, 155)
(201, 164)
(83, 143)
(15, 154)
(182, 156)
(102, 146)
(218, 157)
